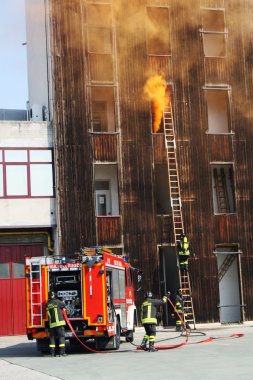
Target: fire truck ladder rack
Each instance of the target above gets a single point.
(221, 190)
(178, 227)
(36, 292)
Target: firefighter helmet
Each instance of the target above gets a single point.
(148, 294)
(182, 235)
(51, 294)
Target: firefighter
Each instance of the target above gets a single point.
(179, 305)
(54, 308)
(181, 312)
(149, 320)
(183, 253)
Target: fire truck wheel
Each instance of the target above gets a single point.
(117, 336)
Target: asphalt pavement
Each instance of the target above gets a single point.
(210, 352)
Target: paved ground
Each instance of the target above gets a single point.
(222, 358)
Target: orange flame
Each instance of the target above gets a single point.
(155, 89)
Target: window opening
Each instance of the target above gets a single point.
(213, 32)
(223, 189)
(217, 110)
(103, 109)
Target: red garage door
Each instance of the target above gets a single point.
(12, 287)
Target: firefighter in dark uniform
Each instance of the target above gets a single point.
(57, 323)
(183, 253)
(181, 311)
(149, 320)
(179, 305)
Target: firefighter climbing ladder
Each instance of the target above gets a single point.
(36, 296)
(178, 228)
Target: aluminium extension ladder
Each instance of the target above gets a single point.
(36, 292)
(178, 227)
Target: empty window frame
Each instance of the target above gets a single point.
(213, 32)
(158, 31)
(100, 42)
(218, 110)
(106, 190)
(103, 109)
(223, 188)
(26, 173)
(161, 191)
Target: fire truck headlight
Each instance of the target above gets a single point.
(63, 260)
(100, 318)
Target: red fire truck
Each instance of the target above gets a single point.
(98, 291)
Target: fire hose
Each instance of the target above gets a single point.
(79, 340)
(158, 347)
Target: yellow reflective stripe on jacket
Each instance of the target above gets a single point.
(53, 316)
(146, 317)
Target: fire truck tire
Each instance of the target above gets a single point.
(112, 343)
(43, 345)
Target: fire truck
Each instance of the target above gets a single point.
(98, 290)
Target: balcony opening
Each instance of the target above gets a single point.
(217, 110)
(162, 190)
(106, 190)
(103, 109)
(223, 188)
(213, 32)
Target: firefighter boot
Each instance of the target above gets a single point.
(52, 352)
(144, 344)
(151, 347)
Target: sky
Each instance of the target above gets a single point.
(13, 61)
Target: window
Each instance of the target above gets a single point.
(18, 270)
(223, 188)
(26, 173)
(4, 270)
(217, 110)
(100, 42)
(213, 32)
(158, 31)
(103, 109)
(106, 190)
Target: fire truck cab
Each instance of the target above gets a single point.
(98, 291)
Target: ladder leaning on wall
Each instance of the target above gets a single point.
(174, 185)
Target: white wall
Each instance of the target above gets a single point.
(25, 134)
(35, 212)
(36, 53)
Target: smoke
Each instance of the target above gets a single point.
(155, 90)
